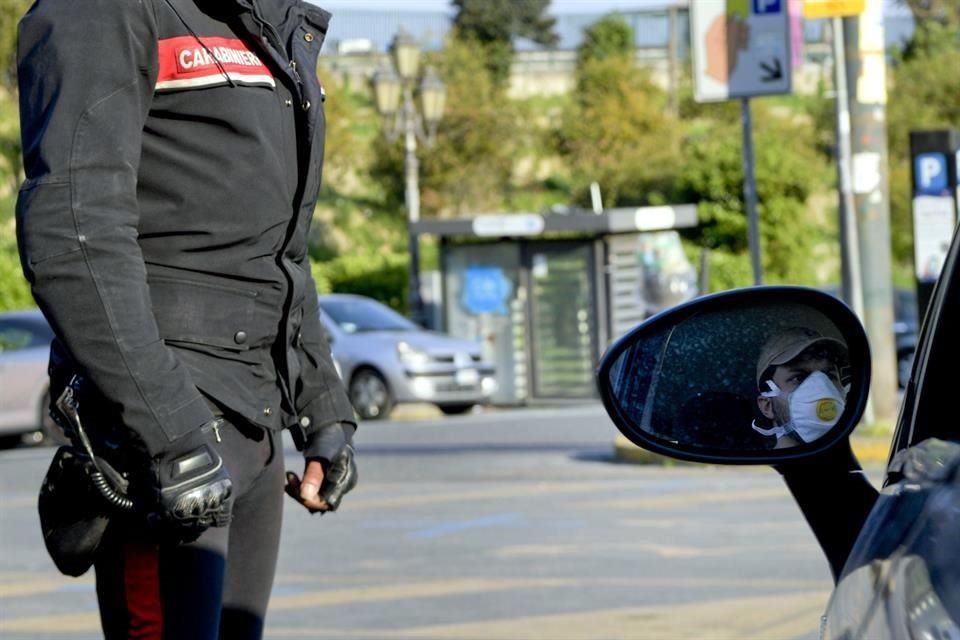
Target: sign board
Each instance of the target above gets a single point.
(741, 48)
(486, 289)
(832, 8)
(518, 224)
(934, 218)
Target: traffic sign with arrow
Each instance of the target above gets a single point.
(741, 48)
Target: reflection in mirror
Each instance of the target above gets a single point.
(751, 379)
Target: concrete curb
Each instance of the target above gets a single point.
(870, 451)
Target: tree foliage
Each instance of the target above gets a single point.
(495, 24)
(468, 169)
(609, 37)
(788, 171)
(10, 13)
(618, 133)
(923, 95)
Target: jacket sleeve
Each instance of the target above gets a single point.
(87, 69)
(322, 399)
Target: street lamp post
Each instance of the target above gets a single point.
(390, 85)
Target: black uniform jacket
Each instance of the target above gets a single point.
(173, 151)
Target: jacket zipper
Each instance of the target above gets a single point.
(272, 39)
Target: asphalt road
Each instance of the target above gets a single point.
(508, 525)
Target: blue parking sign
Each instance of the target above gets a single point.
(930, 173)
(767, 7)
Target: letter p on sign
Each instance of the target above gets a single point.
(930, 173)
(763, 7)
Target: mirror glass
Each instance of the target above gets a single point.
(751, 379)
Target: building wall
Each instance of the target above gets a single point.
(358, 42)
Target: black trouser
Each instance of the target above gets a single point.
(217, 586)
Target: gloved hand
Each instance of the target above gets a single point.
(330, 471)
(191, 488)
(324, 484)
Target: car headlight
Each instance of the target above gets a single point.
(411, 356)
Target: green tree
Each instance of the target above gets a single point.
(469, 167)
(789, 171)
(10, 13)
(617, 132)
(495, 23)
(609, 37)
(923, 95)
(939, 11)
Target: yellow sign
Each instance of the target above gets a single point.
(832, 8)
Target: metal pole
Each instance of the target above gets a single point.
(750, 191)
(673, 62)
(849, 243)
(412, 201)
(866, 63)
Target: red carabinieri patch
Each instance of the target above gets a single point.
(187, 62)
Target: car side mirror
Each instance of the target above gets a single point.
(759, 375)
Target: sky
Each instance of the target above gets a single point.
(562, 6)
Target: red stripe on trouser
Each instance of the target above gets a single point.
(141, 582)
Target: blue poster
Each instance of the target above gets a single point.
(485, 290)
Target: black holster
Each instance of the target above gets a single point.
(78, 497)
(73, 515)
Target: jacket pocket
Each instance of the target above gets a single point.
(192, 312)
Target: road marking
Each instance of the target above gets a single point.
(770, 617)
(32, 587)
(69, 623)
(497, 493)
(409, 590)
(19, 503)
(688, 499)
(446, 528)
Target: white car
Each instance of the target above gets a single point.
(385, 359)
(25, 340)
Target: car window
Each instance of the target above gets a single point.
(929, 402)
(356, 315)
(22, 333)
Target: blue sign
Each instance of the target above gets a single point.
(930, 173)
(767, 7)
(485, 290)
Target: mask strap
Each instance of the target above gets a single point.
(774, 391)
(773, 431)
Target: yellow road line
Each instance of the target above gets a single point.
(771, 617)
(688, 499)
(408, 590)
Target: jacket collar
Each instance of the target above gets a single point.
(285, 14)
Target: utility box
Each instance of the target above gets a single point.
(936, 162)
(546, 294)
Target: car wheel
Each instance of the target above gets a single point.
(51, 433)
(455, 409)
(904, 367)
(370, 395)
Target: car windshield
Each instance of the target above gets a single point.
(356, 315)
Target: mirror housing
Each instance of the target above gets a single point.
(700, 381)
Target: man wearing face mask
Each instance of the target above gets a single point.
(800, 393)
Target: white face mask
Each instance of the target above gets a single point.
(815, 407)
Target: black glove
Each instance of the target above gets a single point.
(191, 488)
(339, 478)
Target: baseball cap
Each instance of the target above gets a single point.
(789, 343)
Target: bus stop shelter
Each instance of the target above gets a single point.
(547, 293)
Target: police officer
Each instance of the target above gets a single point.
(173, 151)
